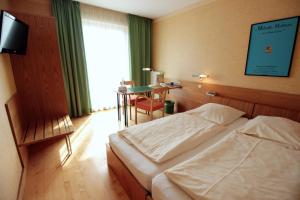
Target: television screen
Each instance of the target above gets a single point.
(14, 34)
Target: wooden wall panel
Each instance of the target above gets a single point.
(33, 7)
(271, 111)
(276, 99)
(190, 96)
(38, 74)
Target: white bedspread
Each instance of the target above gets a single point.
(167, 137)
(240, 167)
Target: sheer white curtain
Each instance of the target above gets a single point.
(105, 34)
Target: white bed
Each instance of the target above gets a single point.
(144, 169)
(254, 171)
(163, 189)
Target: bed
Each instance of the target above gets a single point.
(144, 169)
(137, 186)
(286, 167)
(135, 171)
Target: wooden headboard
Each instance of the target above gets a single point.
(252, 101)
(260, 109)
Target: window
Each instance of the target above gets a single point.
(105, 36)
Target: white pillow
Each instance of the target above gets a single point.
(278, 129)
(217, 113)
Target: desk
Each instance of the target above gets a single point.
(130, 91)
(135, 90)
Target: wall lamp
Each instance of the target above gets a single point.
(147, 69)
(200, 76)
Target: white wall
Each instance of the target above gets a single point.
(10, 165)
(213, 39)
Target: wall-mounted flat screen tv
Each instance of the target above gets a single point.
(14, 34)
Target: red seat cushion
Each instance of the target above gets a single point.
(146, 105)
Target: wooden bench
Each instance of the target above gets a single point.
(27, 132)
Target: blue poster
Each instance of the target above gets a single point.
(271, 47)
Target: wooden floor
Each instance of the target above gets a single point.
(85, 174)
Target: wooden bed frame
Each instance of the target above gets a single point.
(132, 187)
(282, 105)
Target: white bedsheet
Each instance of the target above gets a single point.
(144, 169)
(170, 136)
(164, 189)
(240, 167)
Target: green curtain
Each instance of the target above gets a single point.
(69, 28)
(140, 33)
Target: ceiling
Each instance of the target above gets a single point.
(147, 8)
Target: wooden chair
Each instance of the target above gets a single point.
(131, 97)
(156, 101)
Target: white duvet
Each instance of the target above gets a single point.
(167, 137)
(240, 167)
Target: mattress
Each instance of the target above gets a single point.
(144, 169)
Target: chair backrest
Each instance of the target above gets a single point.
(160, 93)
(129, 83)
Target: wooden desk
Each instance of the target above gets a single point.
(130, 91)
(134, 91)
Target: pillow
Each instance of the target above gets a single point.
(217, 113)
(278, 129)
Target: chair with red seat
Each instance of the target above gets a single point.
(131, 97)
(156, 101)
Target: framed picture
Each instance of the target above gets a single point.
(271, 47)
